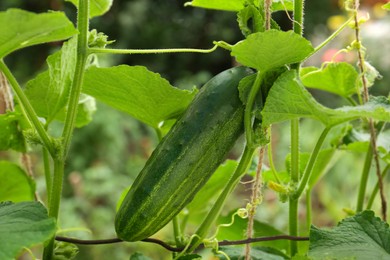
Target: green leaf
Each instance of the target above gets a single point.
(271, 49)
(360, 237)
(250, 20)
(49, 91)
(96, 8)
(212, 188)
(137, 91)
(11, 136)
(22, 225)
(386, 6)
(339, 78)
(16, 185)
(257, 253)
(225, 5)
(26, 29)
(289, 99)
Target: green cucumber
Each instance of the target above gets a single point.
(185, 158)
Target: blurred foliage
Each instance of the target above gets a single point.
(107, 154)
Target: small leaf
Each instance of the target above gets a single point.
(11, 136)
(271, 49)
(361, 237)
(22, 225)
(339, 78)
(225, 5)
(386, 6)
(16, 185)
(137, 91)
(250, 20)
(96, 8)
(26, 29)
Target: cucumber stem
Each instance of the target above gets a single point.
(217, 207)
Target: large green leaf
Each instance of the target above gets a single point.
(137, 91)
(360, 237)
(21, 29)
(16, 185)
(289, 99)
(226, 5)
(97, 7)
(11, 136)
(22, 225)
(340, 78)
(271, 49)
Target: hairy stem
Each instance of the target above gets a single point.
(293, 203)
(54, 203)
(374, 148)
(376, 188)
(75, 90)
(255, 201)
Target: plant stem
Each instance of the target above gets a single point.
(293, 225)
(54, 203)
(150, 51)
(332, 36)
(363, 179)
(27, 109)
(217, 207)
(293, 203)
(46, 167)
(249, 108)
(255, 201)
(374, 150)
(271, 160)
(75, 90)
(376, 189)
(308, 210)
(310, 164)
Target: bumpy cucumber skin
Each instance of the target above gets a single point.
(185, 158)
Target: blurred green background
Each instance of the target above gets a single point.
(107, 154)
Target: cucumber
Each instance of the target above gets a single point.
(185, 158)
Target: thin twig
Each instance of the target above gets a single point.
(255, 200)
(370, 121)
(175, 249)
